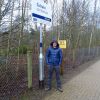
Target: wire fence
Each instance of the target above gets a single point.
(13, 69)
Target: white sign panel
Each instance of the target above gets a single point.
(41, 11)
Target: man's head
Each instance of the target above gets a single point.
(54, 44)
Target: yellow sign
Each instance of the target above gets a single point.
(62, 43)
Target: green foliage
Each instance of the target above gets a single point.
(22, 49)
(14, 51)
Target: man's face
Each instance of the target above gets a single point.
(54, 45)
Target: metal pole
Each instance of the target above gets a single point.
(41, 63)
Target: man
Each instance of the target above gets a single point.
(54, 60)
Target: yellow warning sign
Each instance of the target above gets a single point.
(62, 43)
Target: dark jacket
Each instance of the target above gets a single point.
(54, 55)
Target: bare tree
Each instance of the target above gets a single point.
(93, 23)
(5, 9)
(55, 17)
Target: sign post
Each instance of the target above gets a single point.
(41, 61)
(41, 13)
(63, 45)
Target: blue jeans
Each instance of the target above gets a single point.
(50, 73)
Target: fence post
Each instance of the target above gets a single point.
(62, 65)
(29, 69)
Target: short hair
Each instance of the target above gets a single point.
(55, 41)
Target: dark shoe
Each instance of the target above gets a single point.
(47, 89)
(60, 89)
